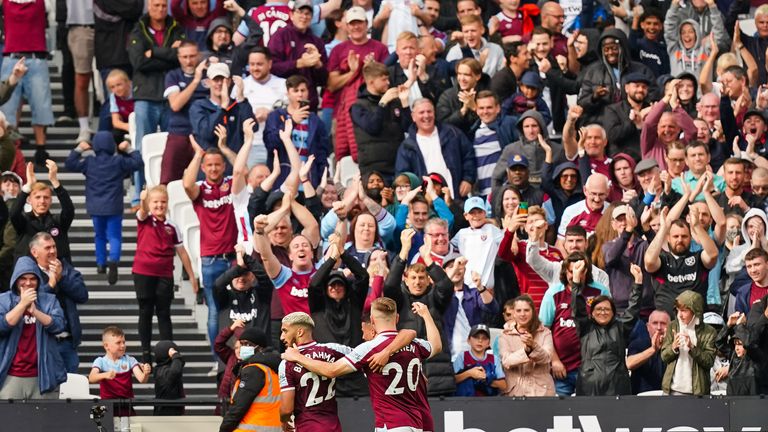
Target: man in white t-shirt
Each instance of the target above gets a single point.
(263, 91)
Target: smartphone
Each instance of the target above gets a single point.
(522, 208)
(303, 103)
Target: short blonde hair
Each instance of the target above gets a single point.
(116, 74)
(300, 319)
(159, 189)
(384, 307)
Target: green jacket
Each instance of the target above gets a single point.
(703, 354)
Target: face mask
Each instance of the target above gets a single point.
(731, 234)
(247, 352)
(374, 194)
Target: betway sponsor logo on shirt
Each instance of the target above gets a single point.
(225, 200)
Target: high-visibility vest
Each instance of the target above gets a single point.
(264, 413)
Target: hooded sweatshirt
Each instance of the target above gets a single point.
(734, 262)
(196, 28)
(600, 73)
(50, 367)
(684, 59)
(104, 173)
(617, 191)
(169, 379)
(688, 368)
(530, 149)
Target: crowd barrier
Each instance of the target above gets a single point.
(579, 414)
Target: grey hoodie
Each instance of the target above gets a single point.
(682, 59)
(735, 260)
(530, 149)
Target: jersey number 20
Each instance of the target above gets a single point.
(313, 399)
(412, 374)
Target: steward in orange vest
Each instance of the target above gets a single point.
(255, 401)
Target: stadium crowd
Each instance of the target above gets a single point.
(588, 178)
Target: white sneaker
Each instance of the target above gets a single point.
(84, 135)
(214, 370)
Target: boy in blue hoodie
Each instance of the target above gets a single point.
(104, 173)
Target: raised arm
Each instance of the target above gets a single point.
(700, 235)
(570, 143)
(261, 244)
(190, 173)
(331, 370)
(433, 334)
(240, 165)
(652, 258)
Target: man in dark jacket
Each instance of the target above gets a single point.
(244, 293)
(255, 400)
(600, 85)
(429, 82)
(453, 151)
(61, 279)
(152, 52)
(336, 305)
(296, 50)
(624, 119)
(436, 296)
(27, 224)
(757, 44)
(218, 116)
(380, 118)
(757, 324)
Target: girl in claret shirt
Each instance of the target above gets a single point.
(157, 241)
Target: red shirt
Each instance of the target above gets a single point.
(527, 279)
(24, 362)
(398, 392)
(509, 26)
(756, 293)
(24, 26)
(218, 226)
(156, 245)
(293, 289)
(271, 18)
(347, 95)
(158, 35)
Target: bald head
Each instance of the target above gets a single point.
(596, 191)
(709, 108)
(552, 17)
(760, 182)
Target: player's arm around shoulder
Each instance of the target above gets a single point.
(331, 370)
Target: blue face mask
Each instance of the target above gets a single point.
(247, 352)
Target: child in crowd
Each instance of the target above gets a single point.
(479, 243)
(169, 377)
(120, 102)
(527, 97)
(743, 368)
(477, 371)
(513, 21)
(104, 174)
(113, 372)
(157, 241)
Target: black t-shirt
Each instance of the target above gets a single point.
(678, 274)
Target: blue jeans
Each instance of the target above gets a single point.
(68, 353)
(149, 115)
(212, 268)
(566, 386)
(108, 229)
(35, 86)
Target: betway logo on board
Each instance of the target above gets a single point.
(454, 422)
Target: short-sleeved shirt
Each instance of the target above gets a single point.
(118, 105)
(156, 244)
(293, 289)
(121, 387)
(579, 214)
(678, 274)
(398, 392)
(271, 17)
(263, 95)
(556, 313)
(510, 26)
(314, 403)
(528, 280)
(24, 362)
(216, 213)
(176, 81)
